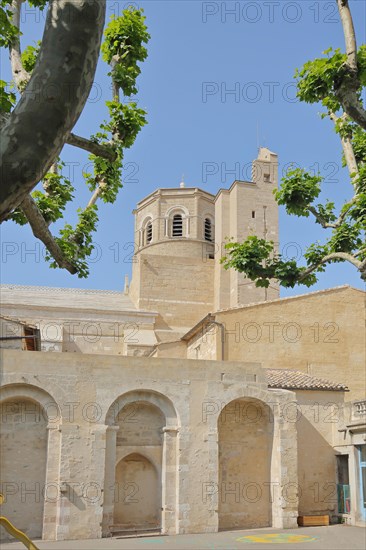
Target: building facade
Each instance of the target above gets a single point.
(191, 401)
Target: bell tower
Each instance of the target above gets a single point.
(247, 208)
(180, 234)
(173, 268)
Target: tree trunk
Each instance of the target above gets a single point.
(41, 232)
(51, 104)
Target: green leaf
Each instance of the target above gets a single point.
(317, 79)
(29, 56)
(7, 99)
(298, 191)
(123, 48)
(8, 32)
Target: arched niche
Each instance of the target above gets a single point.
(245, 442)
(147, 396)
(29, 458)
(137, 494)
(141, 423)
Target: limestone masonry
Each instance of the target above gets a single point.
(191, 401)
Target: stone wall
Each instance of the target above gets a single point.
(243, 210)
(23, 443)
(179, 287)
(205, 344)
(245, 453)
(320, 333)
(176, 403)
(11, 333)
(79, 321)
(319, 416)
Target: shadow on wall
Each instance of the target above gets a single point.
(245, 429)
(317, 472)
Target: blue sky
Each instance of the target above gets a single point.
(218, 82)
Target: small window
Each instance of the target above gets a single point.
(30, 340)
(266, 178)
(149, 233)
(208, 230)
(177, 226)
(253, 214)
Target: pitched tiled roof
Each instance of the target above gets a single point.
(297, 380)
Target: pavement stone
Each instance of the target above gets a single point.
(334, 537)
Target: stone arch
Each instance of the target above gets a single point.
(150, 396)
(169, 216)
(138, 494)
(208, 216)
(147, 218)
(152, 433)
(245, 444)
(30, 451)
(146, 235)
(35, 394)
(178, 208)
(284, 448)
(146, 453)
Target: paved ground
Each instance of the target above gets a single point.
(336, 537)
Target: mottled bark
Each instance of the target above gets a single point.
(348, 151)
(346, 256)
(347, 91)
(20, 75)
(115, 87)
(95, 196)
(96, 149)
(354, 173)
(349, 33)
(41, 232)
(50, 106)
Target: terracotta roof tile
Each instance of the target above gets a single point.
(297, 380)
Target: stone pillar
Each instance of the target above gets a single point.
(109, 479)
(353, 482)
(170, 504)
(210, 492)
(52, 483)
(82, 481)
(284, 481)
(209, 489)
(96, 482)
(182, 498)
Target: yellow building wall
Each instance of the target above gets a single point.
(322, 334)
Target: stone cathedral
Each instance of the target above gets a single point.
(190, 401)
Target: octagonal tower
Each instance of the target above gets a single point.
(173, 269)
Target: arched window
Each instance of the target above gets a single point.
(177, 222)
(208, 230)
(146, 231)
(177, 230)
(149, 233)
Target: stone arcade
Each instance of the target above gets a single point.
(190, 402)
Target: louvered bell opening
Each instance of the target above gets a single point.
(149, 233)
(208, 230)
(178, 226)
